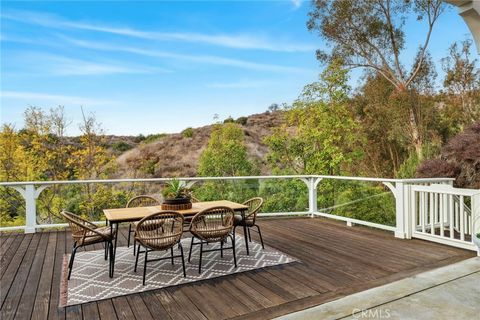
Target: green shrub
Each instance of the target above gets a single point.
(121, 146)
(229, 120)
(187, 133)
(242, 120)
(153, 137)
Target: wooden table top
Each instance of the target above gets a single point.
(137, 213)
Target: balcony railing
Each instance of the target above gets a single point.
(400, 189)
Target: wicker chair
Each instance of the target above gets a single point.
(139, 201)
(159, 232)
(188, 219)
(86, 233)
(249, 220)
(212, 225)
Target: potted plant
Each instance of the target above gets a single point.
(476, 235)
(176, 196)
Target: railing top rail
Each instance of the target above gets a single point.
(368, 179)
(452, 191)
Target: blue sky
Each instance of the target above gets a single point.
(151, 67)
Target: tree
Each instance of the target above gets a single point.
(273, 107)
(319, 135)
(368, 34)
(462, 82)
(226, 155)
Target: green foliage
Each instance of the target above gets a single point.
(284, 195)
(40, 151)
(325, 137)
(226, 155)
(229, 120)
(187, 133)
(367, 203)
(175, 189)
(242, 121)
(121, 146)
(153, 137)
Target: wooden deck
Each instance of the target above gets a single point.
(335, 261)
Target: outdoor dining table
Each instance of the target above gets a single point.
(121, 215)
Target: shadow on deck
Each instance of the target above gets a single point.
(335, 261)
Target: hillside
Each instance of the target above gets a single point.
(178, 154)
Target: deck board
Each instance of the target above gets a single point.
(334, 261)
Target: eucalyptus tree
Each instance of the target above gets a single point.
(370, 34)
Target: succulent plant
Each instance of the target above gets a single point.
(175, 189)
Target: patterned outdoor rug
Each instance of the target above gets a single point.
(90, 282)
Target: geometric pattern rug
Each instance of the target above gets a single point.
(90, 281)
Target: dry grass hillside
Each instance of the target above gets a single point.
(178, 154)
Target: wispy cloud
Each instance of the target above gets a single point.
(36, 97)
(241, 84)
(297, 3)
(55, 65)
(240, 41)
(206, 59)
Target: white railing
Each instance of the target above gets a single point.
(445, 214)
(31, 190)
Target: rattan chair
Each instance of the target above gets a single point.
(188, 219)
(139, 201)
(250, 217)
(212, 225)
(159, 232)
(86, 233)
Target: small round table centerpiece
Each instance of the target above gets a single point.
(177, 196)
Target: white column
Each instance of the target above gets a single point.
(30, 208)
(400, 211)
(476, 217)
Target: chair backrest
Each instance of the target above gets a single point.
(160, 230)
(254, 206)
(142, 201)
(213, 224)
(79, 226)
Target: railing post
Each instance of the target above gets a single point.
(312, 196)
(401, 210)
(475, 212)
(30, 208)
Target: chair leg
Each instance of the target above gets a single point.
(260, 234)
(145, 266)
(171, 253)
(72, 258)
(134, 246)
(190, 251)
(106, 250)
(249, 235)
(112, 259)
(200, 262)
(233, 250)
(221, 249)
(136, 259)
(129, 233)
(183, 260)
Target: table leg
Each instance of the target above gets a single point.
(114, 243)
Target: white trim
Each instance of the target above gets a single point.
(356, 221)
(23, 183)
(447, 241)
